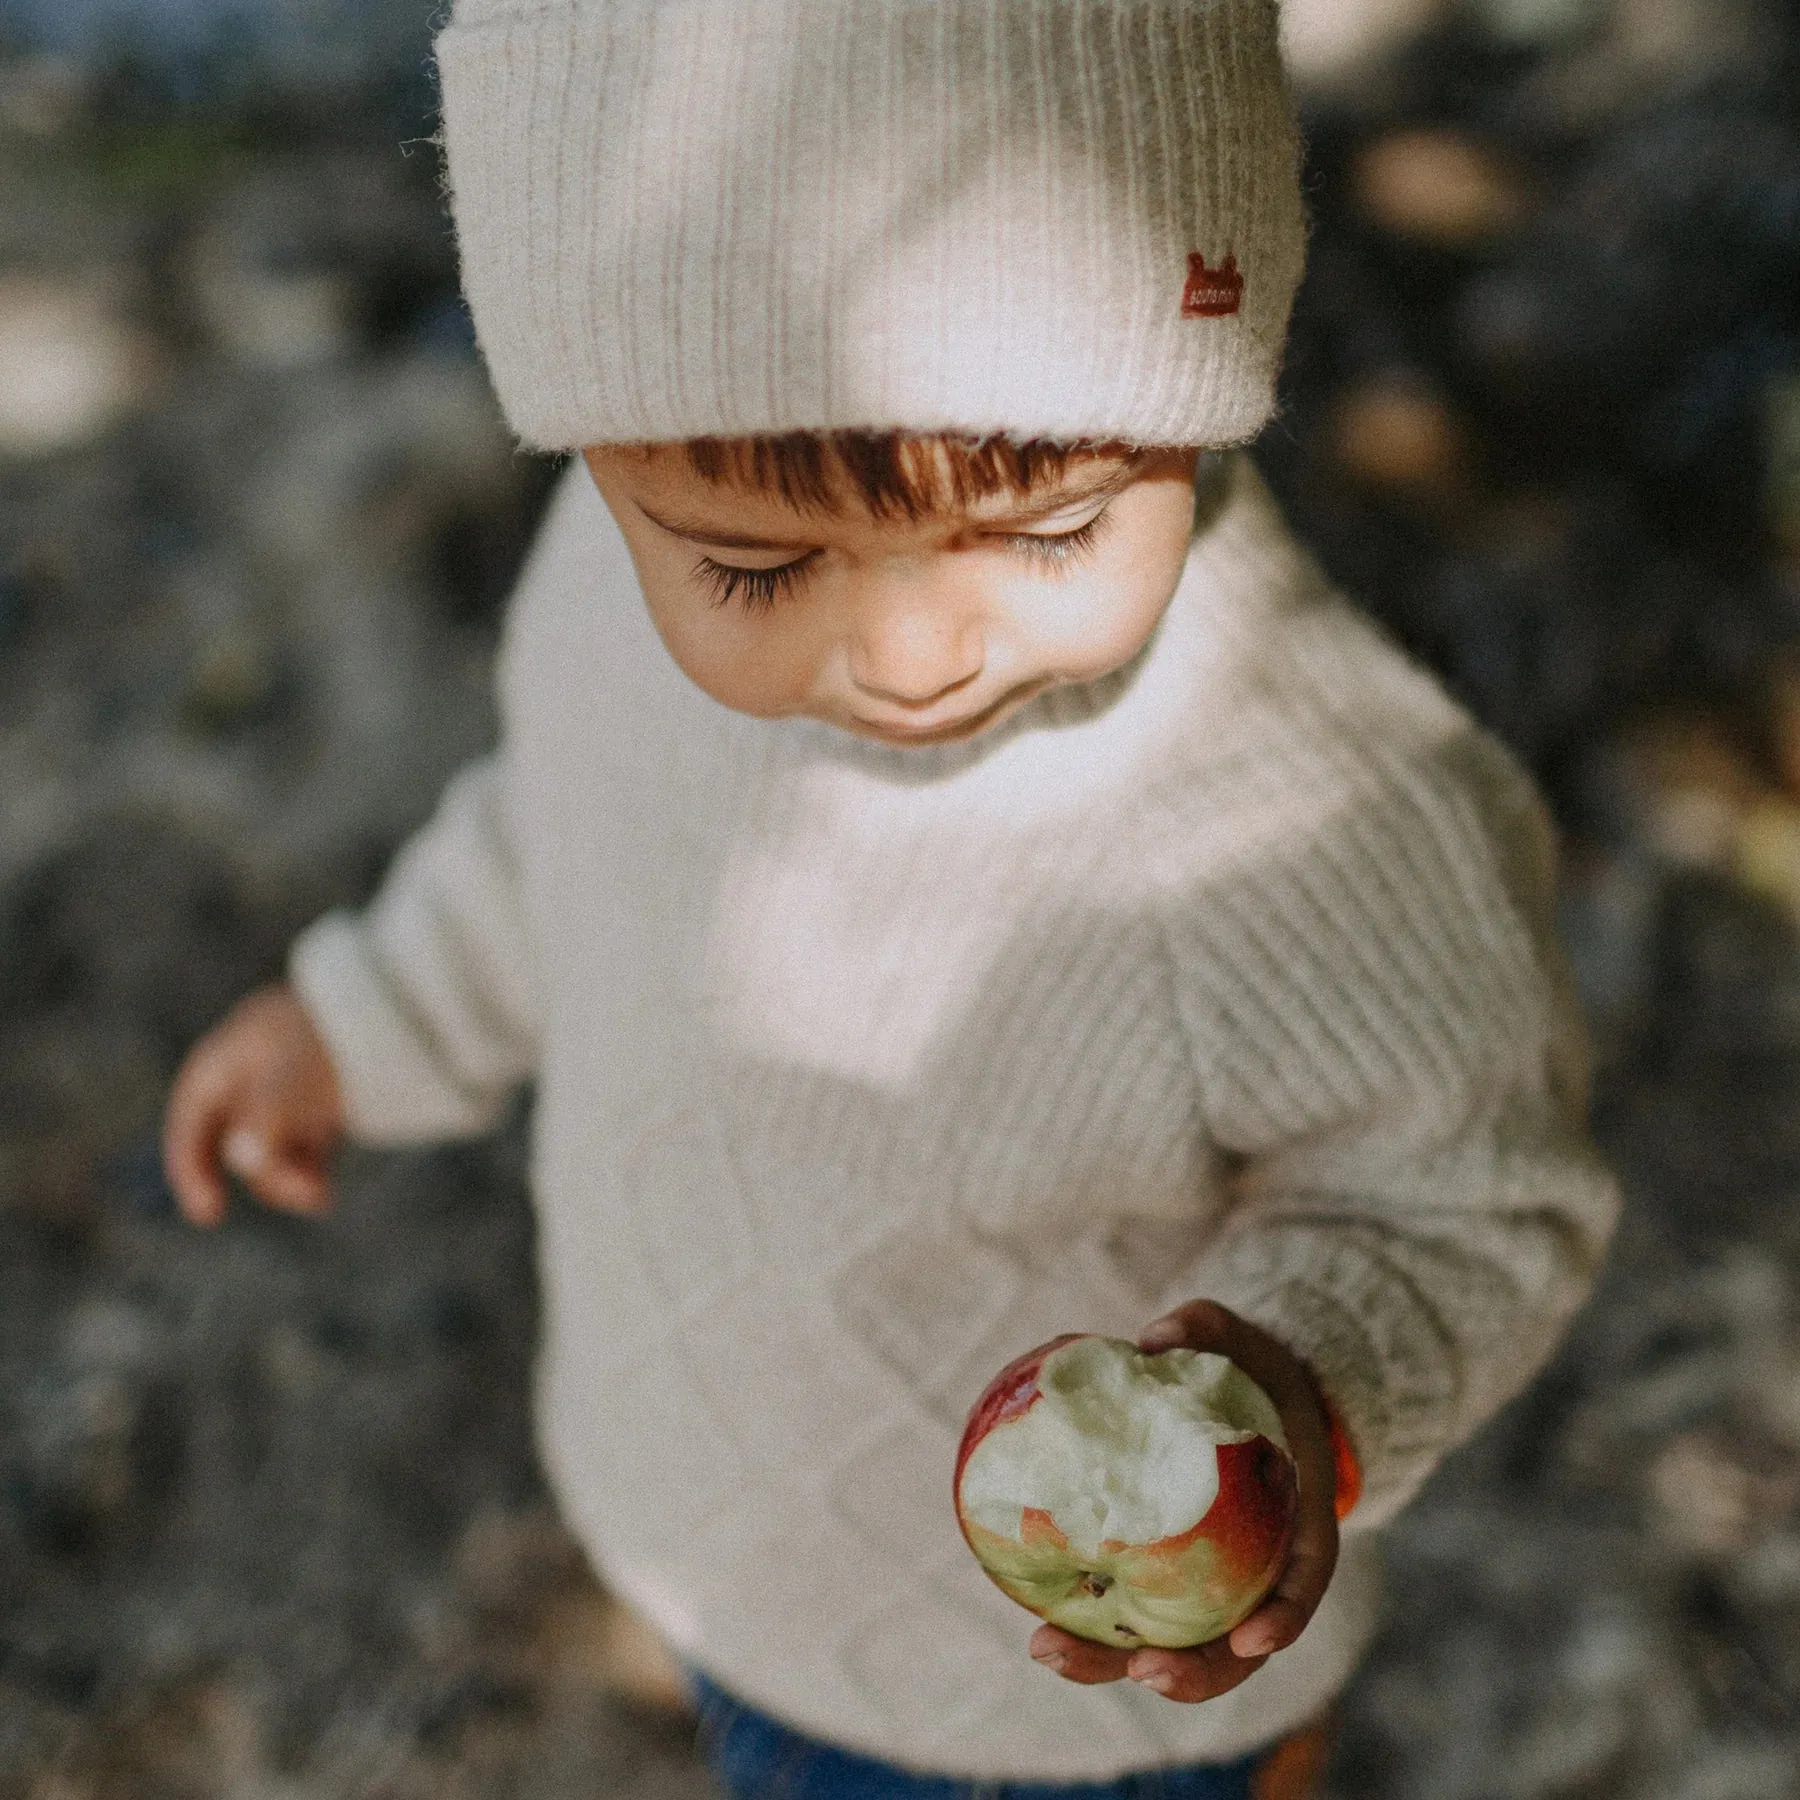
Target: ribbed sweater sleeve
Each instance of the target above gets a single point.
(1386, 1045)
(428, 1000)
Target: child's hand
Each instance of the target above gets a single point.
(257, 1096)
(1209, 1670)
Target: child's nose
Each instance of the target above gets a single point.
(912, 654)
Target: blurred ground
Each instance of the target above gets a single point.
(270, 1525)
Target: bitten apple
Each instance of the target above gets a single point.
(1130, 1498)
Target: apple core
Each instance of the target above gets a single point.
(1129, 1497)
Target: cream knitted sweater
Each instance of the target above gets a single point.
(861, 1070)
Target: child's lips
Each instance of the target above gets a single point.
(947, 730)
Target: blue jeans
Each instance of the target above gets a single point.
(757, 1758)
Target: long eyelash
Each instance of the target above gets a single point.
(1064, 547)
(757, 590)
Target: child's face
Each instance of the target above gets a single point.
(910, 632)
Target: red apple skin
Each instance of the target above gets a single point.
(1175, 1593)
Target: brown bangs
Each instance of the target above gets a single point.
(891, 473)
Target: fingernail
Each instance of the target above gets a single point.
(1054, 1661)
(1157, 1683)
(245, 1153)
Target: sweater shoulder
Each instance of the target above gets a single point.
(1352, 878)
(1387, 947)
(1316, 721)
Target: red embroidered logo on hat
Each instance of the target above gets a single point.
(1212, 293)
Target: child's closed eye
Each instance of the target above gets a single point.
(1061, 548)
(757, 590)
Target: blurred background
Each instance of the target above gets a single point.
(270, 1524)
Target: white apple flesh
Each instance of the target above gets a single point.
(1128, 1497)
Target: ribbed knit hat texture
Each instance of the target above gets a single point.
(1057, 218)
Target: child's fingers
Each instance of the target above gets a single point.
(199, 1192)
(286, 1176)
(1077, 1659)
(1202, 1673)
(257, 1098)
(1312, 1557)
(1283, 1615)
(1197, 1322)
(1273, 1626)
(198, 1111)
(1190, 1676)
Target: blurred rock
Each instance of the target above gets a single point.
(1769, 1572)
(270, 313)
(1437, 187)
(1766, 852)
(95, 1445)
(1397, 436)
(1331, 42)
(1781, 707)
(1695, 785)
(41, 96)
(1689, 38)
(1540, 21)
(325, 50)
(70, 368)
(1709, 1499)
(231, 681)
(1610, 913)
(1782, 426)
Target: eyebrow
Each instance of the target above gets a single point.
(697, 531)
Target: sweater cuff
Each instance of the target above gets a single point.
(396, 1083)
(1379, 1464)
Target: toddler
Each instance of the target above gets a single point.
(953, 870)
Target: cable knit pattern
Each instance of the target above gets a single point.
(863, 1069)
(685, 218)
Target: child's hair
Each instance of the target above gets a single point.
(890, 472)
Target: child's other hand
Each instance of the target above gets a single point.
(256, 1096)
(1209, 1670)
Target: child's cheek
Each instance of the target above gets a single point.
(1090, 626)
(752, 663)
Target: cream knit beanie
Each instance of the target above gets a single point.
(1057, 218)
